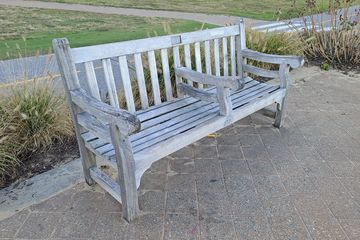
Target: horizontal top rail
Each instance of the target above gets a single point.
(102, 51)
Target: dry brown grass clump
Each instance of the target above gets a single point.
(33, 117)
(337, 43)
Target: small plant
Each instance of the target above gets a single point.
(325, 66)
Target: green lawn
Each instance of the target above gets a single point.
(264, 9)
(39, 27)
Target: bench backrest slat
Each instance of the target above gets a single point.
(225, 57)
(187, 55)
(198, 63)
(141, 81)
(216, 57)
(154, 77)
(110, 82)
(166, 74)
(126, 82)
(232, 56)
(92, 83)
(207, 57)
(177, 63)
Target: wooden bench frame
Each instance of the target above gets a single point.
(230, 99)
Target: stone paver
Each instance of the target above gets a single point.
(251, 181)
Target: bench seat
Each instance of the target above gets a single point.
(163, 123)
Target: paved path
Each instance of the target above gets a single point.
(322, 21)
(200, 17)
(250, 182)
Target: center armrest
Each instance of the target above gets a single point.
(234, 83)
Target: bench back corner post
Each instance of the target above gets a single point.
(71, 82)
(240, 45)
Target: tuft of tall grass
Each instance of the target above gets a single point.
(283, 43)
(33, 117)
(8, 159)
(39, 114)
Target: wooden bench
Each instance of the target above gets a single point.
(198, 102)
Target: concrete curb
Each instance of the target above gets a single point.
(39, 188)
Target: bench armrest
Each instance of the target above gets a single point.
(292, 61)
(128, 123)
(197, 93)
(228, 82)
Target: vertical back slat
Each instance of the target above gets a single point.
(176, 56)
(232, 56)
(198, 60)
(125, 76)
(91, 80)
(154, 77)
(216, 57)
(240, 45)
(187, 56)
(141, 81)
(207, 57)
(166, 74)
(110, 82)
(225, 56)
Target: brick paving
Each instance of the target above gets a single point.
(250, 182)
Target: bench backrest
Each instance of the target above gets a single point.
(151, 62)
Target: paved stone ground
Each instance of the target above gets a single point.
(250, 182)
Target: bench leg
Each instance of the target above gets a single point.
(126, 170)
(88, 160)
(280, 113)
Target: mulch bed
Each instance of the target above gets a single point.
(36, 163)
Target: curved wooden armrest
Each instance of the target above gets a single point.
(293, 61)
(234, 83)
(128, 123)
(197, 93)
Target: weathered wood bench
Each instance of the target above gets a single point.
(216, 94)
